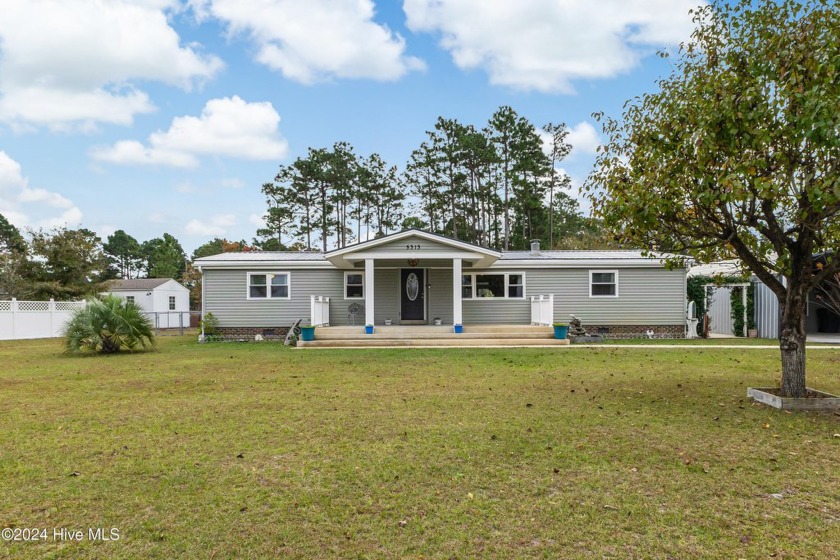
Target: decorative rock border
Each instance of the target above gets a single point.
(818, 400)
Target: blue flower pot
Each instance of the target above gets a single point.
(561, 331)
(459, 329)
(368, 329)
(307, 333)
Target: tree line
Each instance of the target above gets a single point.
(74, 263)
(496, 186)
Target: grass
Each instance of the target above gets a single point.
(255, 450)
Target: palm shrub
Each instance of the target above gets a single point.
(107, 325)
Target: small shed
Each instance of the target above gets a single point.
(165, 301)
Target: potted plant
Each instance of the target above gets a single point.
(307, 332)
(459, 328)
(368, 329)
(561, 330)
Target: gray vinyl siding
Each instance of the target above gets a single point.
(386, 303)
(647, 296)
(225, 294)
(440, 295)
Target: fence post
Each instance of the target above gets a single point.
(51, 309)
(14, 309)
(181, 324)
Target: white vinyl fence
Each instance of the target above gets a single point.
(35, 319)
(542, 310)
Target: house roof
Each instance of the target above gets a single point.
(256, 256)
(577, 255)
(136, 284)
(720, 268)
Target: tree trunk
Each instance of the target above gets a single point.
(792, 344)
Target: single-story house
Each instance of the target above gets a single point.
(418, 278)
(164, 300)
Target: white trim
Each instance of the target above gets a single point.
(506, 275)
(601, 271)
(369, 281)
(364, 290)
(268, 285)
(572, 263)
(476, 256)
(457, 293)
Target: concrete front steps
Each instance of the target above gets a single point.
(427, 335)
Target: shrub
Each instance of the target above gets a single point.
(108, 325)
(210, 324)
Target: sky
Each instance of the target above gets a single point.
(157, 116)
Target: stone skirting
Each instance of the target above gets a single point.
(248, 333)
(636, 331)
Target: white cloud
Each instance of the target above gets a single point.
(157, 218)
(314, 40)
(72, 64)
(583, 138)
(545, 45)
(19, 203)
(217, 225)
(227, 127)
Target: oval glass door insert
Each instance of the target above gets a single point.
(412, 287)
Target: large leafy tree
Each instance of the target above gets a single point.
(71, 263)
(738, 154)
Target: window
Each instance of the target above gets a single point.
(354, 285)
(129, 299)
(466, 286)
(603, 283)
(516, 286)
(268, 285)
(489, 285)
(501, 285)
(171, 303)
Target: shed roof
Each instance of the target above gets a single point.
(136, 284)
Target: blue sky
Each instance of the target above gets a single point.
(160, 116)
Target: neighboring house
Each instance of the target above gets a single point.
(165, 301)
(818, 318)
(414, 277)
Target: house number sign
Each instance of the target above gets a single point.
(412, 247)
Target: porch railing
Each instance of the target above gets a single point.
(542, 310)
(320, 311)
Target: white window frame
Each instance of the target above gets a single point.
(268, 286)
(129, 299)
(599, 296)
(173, 303)
(506, 275)
(355, 273)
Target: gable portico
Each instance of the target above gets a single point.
(414, 254)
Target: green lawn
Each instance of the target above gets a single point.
(255, 450)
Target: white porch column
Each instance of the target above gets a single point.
(457, 304)
(369, 291)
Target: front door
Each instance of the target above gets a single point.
(412, 298)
